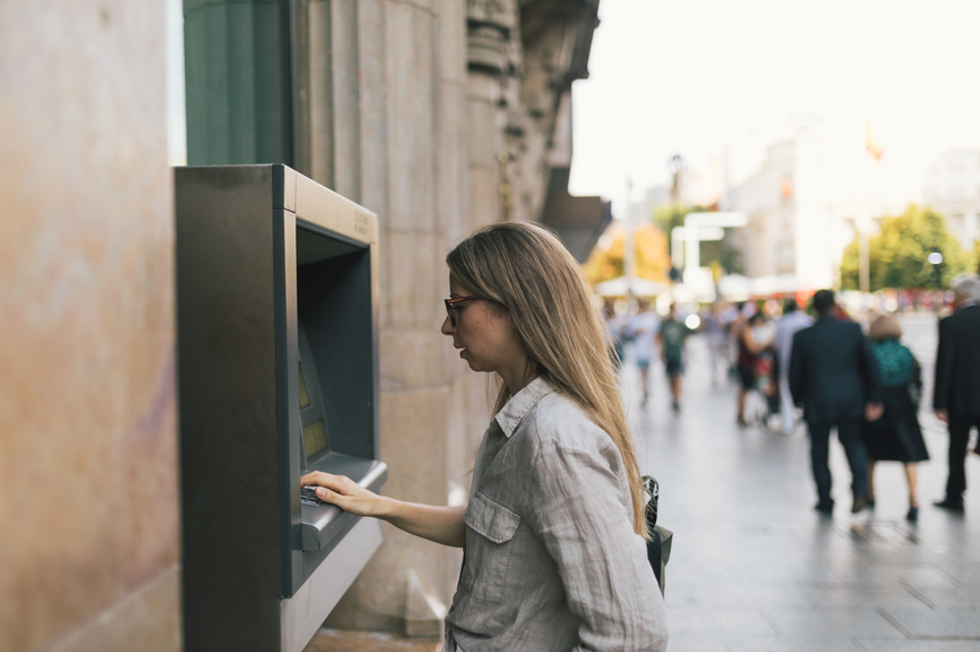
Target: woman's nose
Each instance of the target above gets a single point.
(447, 326)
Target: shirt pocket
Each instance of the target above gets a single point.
(491, 551)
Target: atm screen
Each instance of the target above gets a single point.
(304, 393)
(315, 436)
(310, 397)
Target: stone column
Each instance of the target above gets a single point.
(88, 477)
(490, 26)
(389, 124)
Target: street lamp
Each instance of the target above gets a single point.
(936, 259)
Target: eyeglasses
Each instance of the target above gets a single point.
(451, 306)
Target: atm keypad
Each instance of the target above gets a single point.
(308, 497)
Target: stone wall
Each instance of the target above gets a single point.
(88, 490)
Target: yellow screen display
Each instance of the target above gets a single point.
(304, 394)
(315, 434)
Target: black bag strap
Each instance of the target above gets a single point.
(652, 487)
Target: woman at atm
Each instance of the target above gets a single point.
(554, 530)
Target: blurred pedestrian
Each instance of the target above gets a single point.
(956, 397)
(834, 376)
(896, 436)
(737, 320)
(616, 329)
(642, 330)
(714, 329)
(671, 337)
(753, 339)
(792, 321)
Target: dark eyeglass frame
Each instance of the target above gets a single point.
(451, 306)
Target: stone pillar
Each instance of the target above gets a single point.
(490, 27)
(88, 485)
(389, 131)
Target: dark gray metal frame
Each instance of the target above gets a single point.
(260, 248)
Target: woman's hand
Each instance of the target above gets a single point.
(440, 524)
(343, 492)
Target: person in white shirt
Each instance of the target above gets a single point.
(793, 320)
(643, 328)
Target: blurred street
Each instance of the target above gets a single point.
(754, 567)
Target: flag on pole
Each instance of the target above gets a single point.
(871, 144)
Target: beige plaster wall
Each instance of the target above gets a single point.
(88, 490)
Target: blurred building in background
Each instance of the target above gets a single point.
(952, 188)
(438, 115)
(810, 197)
(702, 183)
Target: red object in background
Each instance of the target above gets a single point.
(786, 187)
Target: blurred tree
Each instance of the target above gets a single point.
(898, 254)
(652, 262)
(719, 252)
(975, 258)
(667, 216)
(723, 254)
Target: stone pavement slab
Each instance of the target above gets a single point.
(891, 645)
(334, 640)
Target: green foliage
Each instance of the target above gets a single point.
(667, 216)
(897, 257)
(724, 254)
(975, 258)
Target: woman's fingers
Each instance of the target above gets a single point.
(328, 480)
(341, 491)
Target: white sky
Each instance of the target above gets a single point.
(696, 76)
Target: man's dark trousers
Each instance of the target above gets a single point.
(957, 390)
(833, 374)
(850, 434)
(959, 439)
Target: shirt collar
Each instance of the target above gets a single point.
(969, 302)
(520, 404)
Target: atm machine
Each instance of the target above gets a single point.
(277, 311)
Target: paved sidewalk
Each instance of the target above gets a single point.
(754, 567)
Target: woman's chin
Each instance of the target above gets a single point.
(473, 364)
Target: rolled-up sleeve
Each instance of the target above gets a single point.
(575, 506)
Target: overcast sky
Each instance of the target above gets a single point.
(696, 76)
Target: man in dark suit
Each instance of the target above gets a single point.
(833, 374)
(956, 397)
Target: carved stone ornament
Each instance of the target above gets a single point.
(499, 13)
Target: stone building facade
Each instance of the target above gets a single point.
(438, 115)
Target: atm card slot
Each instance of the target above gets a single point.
(321, 523)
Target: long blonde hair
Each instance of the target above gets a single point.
(525, 268)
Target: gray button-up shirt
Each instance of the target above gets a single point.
(551, 559)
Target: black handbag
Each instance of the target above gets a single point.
(658, 547)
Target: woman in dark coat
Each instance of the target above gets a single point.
(896, 435)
